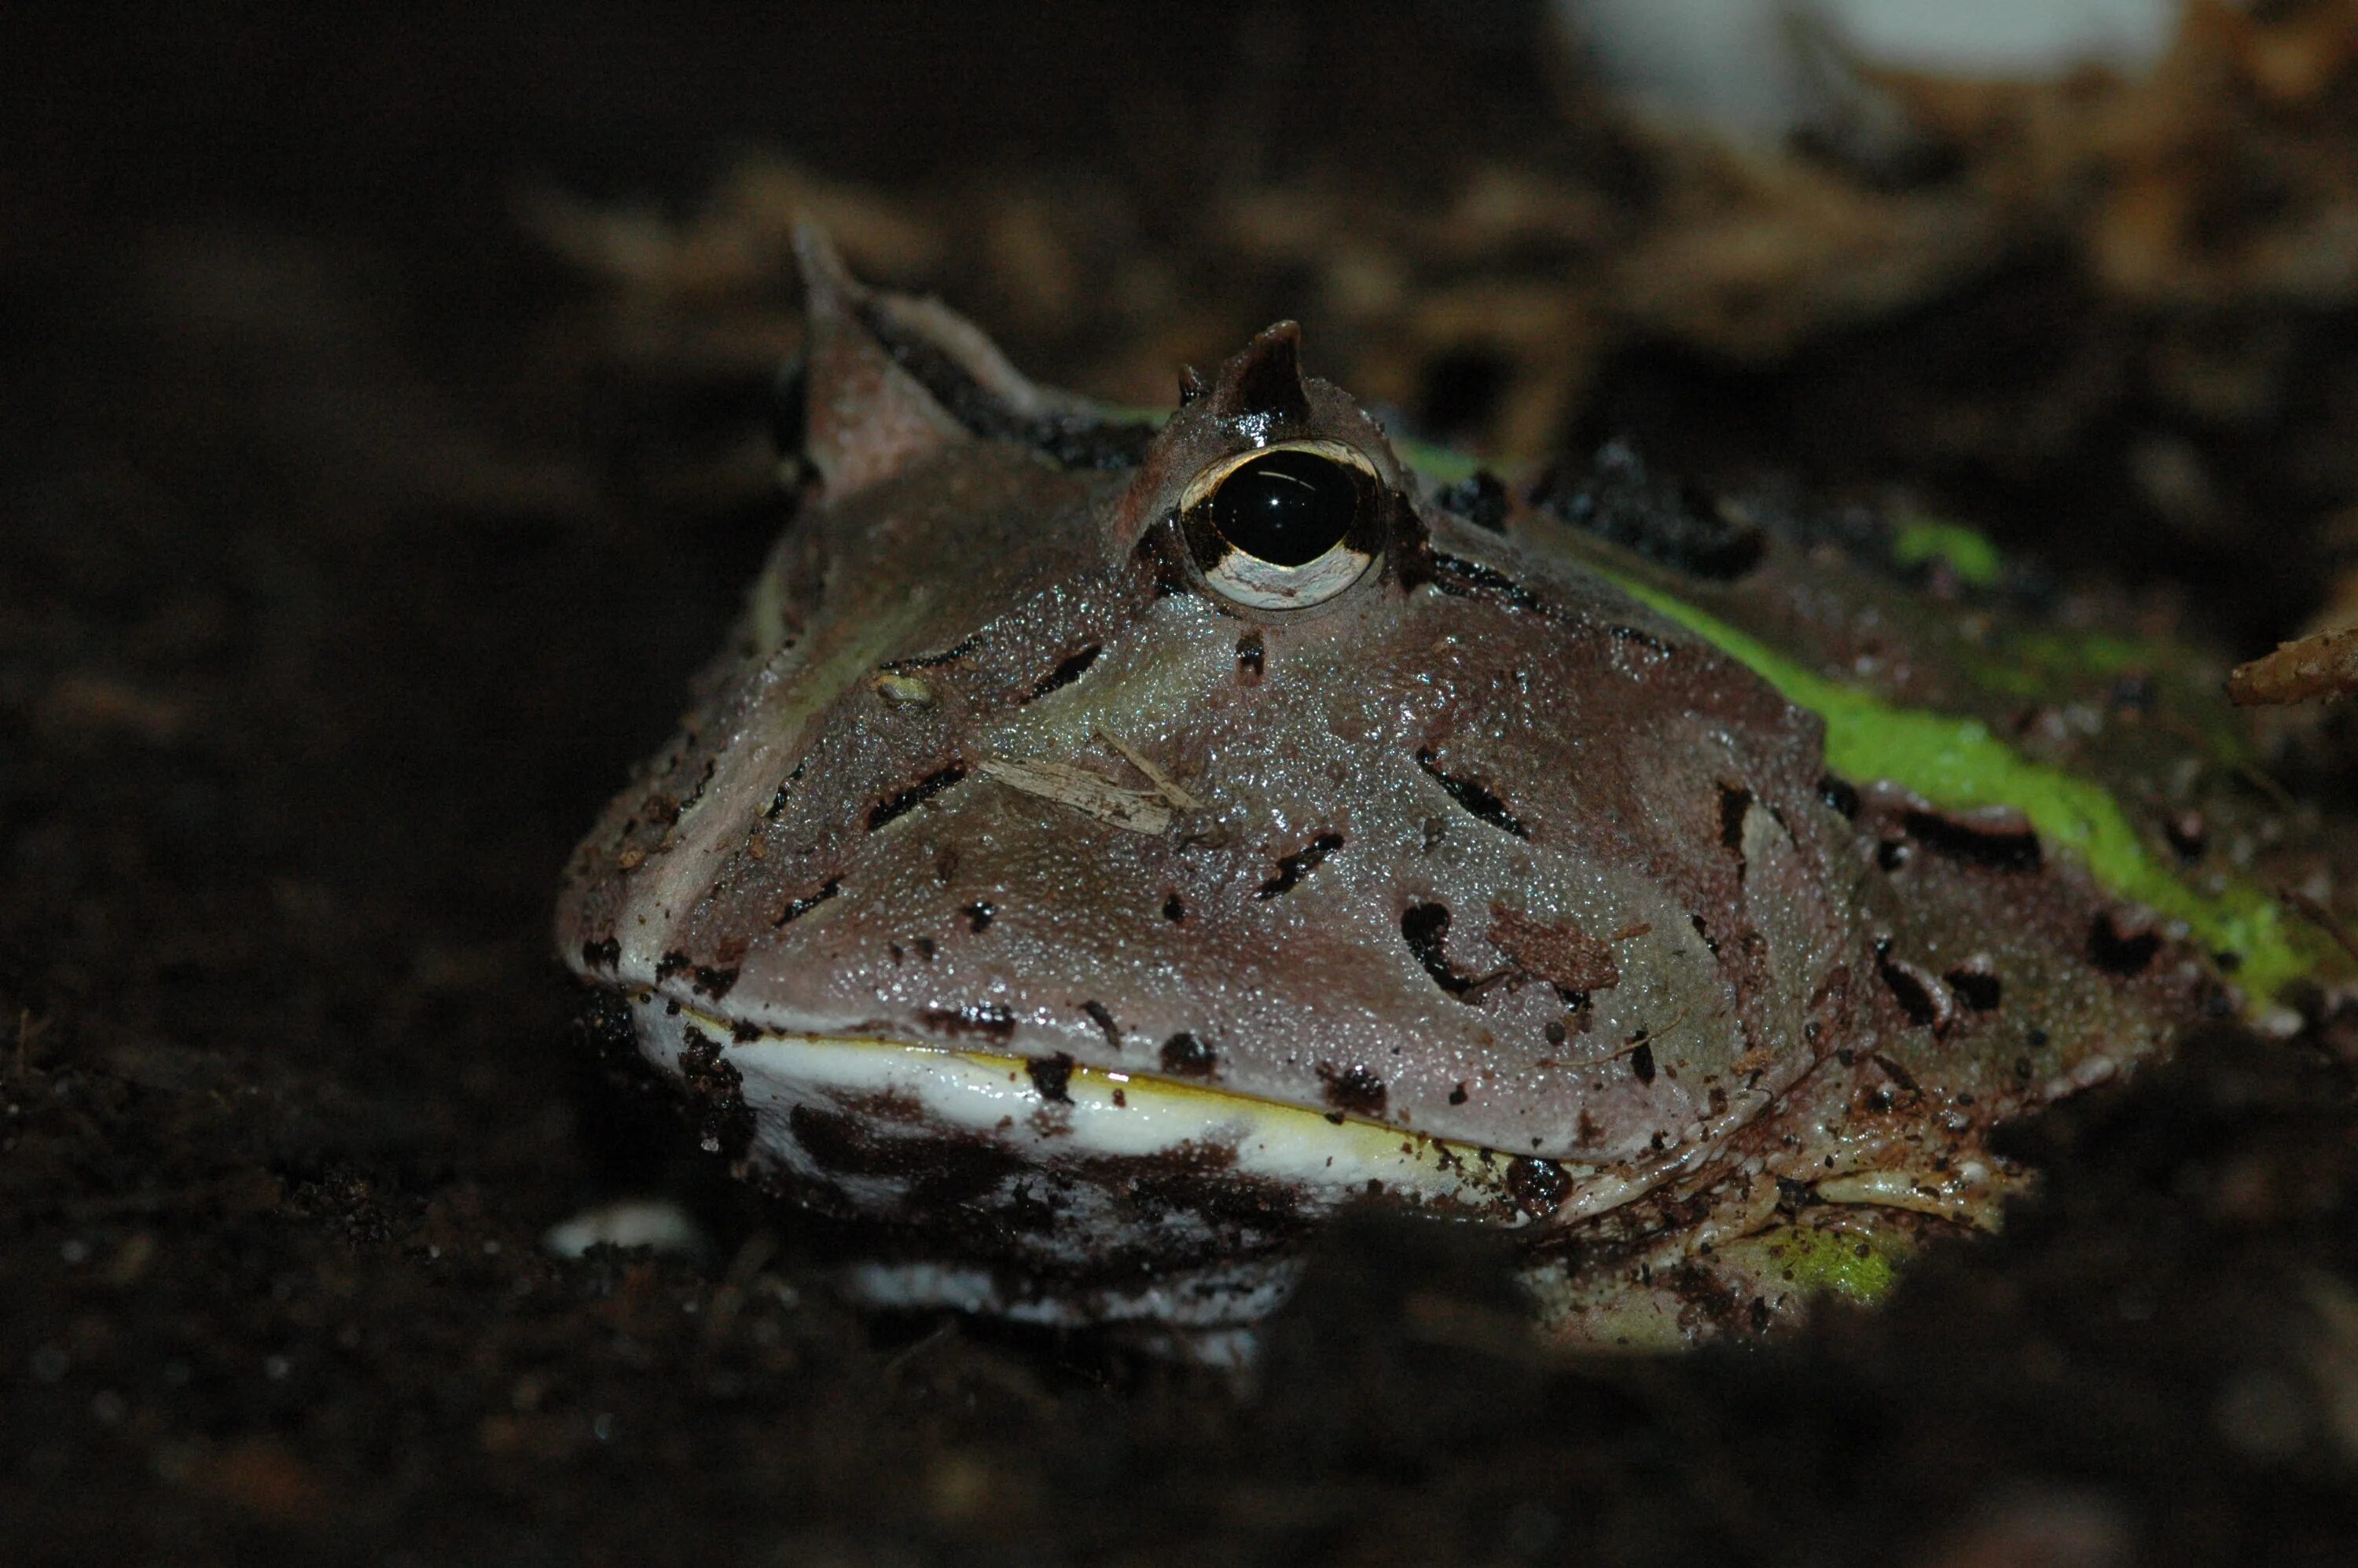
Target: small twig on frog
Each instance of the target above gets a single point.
(1163, 783)
(1651, 1037)
(2321, 917)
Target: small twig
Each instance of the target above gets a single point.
(2321, 917)
(1650, 1036)
(28, 1029)
(1163, 783)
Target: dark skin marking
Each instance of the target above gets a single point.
(930, 661)
(797, 908)
(2121, 949)
(1292, 867)
(1066, 674)
(977, 915)
(2001, 845)
(1916, 991)
(1641, 1061)
(1734, 802)
(778, 801)
(1473, 797)
(1102, 1016)
(602, 955)
(1977, 989)
(916, 795)
(1426, 928)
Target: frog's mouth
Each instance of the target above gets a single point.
(856, 1112)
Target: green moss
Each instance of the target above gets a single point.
(1957, 764)
(1440, 464)
(1853, 1263)
(1967, 552)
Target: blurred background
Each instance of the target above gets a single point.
(385, 441)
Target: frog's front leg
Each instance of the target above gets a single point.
(1848, 1180)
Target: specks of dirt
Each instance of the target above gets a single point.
(2001, 840)
(2121, 946)
(1559, 952)
(1463, 579)
(1186, 1057)
(1425, 927)
(716, 1094)
(916, 795)
(1051, 1076)
(1252, 655)
(713, 982)
(1641, 1061)
(987, 1020)
(1173, 910)
(670, 964)
(1066, 674)
(1472, 796)
(1480, 498)
(744, 1031)
(1457, 1093)
(602, 955)
(794, 909)
(1102, 1016)
(979, 915)
(1642, 639)
(1676, 524)
(1292, 867)
(1356, 1091)
(1840, 795)
(1538, 1187)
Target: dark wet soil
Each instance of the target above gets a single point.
(345, 566)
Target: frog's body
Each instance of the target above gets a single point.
(1096, 910)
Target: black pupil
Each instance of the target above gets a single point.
(1287, 508)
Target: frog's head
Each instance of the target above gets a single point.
(1180, 831)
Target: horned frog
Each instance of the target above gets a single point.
(1105, 851)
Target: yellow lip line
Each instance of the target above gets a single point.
(1331, 1124)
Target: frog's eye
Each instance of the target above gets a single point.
(1284, 528)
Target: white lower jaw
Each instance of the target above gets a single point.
(1071, 1153)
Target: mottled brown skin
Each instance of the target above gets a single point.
(1665, 943)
